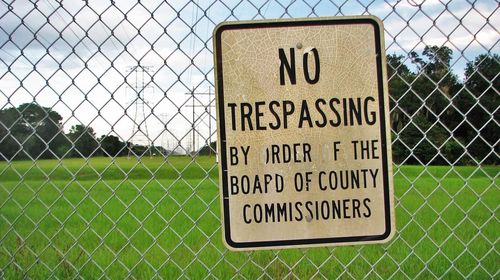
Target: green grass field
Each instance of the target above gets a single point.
(125, 217)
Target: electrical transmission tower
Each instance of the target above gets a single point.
(208, 110)
(166, 143)
(140, 133)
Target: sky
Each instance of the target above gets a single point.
(85, 59)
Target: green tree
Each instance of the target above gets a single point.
(35, 130)
(481, 107)
(421, 142)
(403, 102)
(208, 149)
(9, 144)
(112, 146)
(436, 84)
(427, 118)
(84, 140)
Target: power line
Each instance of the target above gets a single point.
(72, 31)
(8, 54)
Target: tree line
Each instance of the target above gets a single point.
(31, 131)
(435, 118)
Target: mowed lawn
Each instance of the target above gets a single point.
(138, 218)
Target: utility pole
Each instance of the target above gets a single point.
(139, 103)
(207, 109)
(164, 119)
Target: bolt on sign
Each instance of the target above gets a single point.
(303, 133)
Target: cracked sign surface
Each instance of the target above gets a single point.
(303, 133)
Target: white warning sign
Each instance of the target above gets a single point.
(303, 133)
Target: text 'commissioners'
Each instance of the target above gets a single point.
(303, 133)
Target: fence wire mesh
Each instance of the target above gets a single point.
(107, 131)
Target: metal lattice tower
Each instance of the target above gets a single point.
(140, 133)
(197, 120)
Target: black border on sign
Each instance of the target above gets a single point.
(222, 131)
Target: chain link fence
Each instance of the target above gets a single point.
(107, 131)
